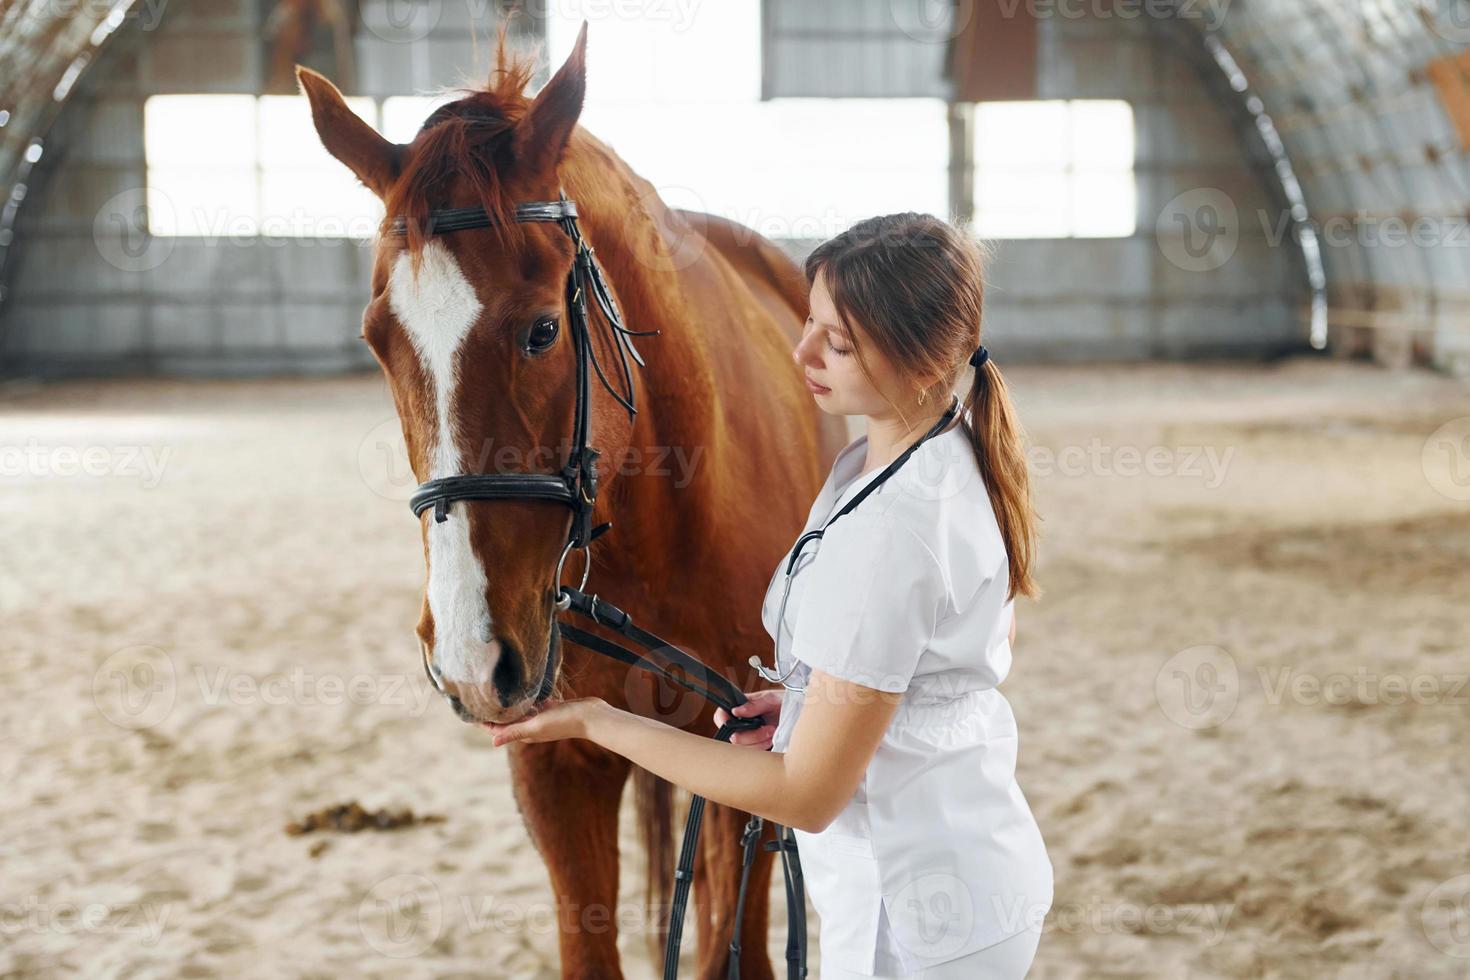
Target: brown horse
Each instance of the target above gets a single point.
(706, 487)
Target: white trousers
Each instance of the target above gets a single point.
(1008, 959)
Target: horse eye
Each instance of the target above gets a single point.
(543, 334)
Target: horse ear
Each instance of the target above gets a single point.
(347, 136)
(542, 134)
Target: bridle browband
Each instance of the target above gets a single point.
(575, 486)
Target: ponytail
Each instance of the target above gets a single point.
(999, 444)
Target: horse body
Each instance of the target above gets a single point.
(689, 562)
(705, 488)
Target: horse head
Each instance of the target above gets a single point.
(474, 332)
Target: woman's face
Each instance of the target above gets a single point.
(826, 357)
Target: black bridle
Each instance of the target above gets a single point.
(575, 487)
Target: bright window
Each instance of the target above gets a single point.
(1054, 169)
(304, 192)
(201, 157)
(679, 101)
(677, 98)
(242, 165)
(404, 114)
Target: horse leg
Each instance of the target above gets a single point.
(568, 793)
(717, 892)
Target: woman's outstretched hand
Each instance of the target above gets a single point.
(553, 721)
(764, 703)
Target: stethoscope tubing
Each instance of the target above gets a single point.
(770, 674)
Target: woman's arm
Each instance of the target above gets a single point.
(1013, 627)
(748, 779)
(840, 727)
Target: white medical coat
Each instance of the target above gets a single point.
(937, 854)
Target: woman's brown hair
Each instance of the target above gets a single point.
(915, 286)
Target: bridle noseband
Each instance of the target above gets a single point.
(576, 485)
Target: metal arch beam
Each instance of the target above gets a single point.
(1281, 176)
(1357, 258)
(1377, 122)
(1354, 256)
(53, 75)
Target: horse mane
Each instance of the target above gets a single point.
(470, 139)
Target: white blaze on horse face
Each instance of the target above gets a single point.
(438, 311)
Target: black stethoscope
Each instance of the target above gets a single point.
(801, 543)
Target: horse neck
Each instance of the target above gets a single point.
(677, 400)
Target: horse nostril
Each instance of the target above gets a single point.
(508, 678)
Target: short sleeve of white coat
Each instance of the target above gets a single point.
(870, 609)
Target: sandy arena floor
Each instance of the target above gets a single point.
(1242, 701)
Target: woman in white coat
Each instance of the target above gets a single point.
(893, 753)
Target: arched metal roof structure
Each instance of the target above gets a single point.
(44, 49)
(1368, 104)
(1364, 107)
